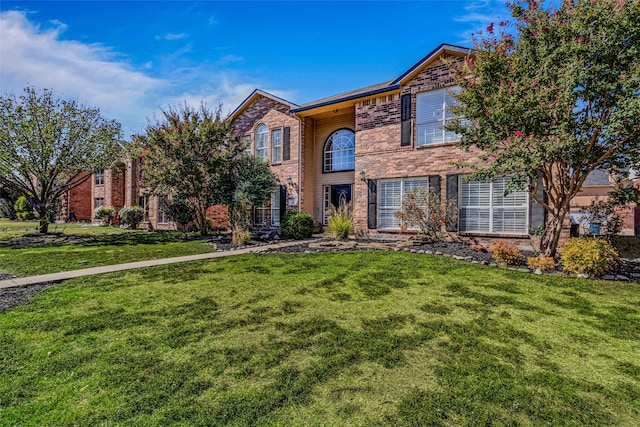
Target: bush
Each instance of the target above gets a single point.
(423, 208)
(340, 224)
(180, 212)
(505, 254)
(591, 256)
(131, 217)
(543, 263)
(240, 236)
(296, 225)
(105, 214)
(24, 210)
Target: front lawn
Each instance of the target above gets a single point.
(95, 250)
(9, 228)
(363, 338)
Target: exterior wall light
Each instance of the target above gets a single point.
(362, 176)
(289, 180)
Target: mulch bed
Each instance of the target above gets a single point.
(628, 270)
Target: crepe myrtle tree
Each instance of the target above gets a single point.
(185, 153)
(554, 101)
(50, 145)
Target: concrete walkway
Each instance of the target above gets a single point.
(56, 277)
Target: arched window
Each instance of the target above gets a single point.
(262, 135)
(339, 151)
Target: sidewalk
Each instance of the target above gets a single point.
(56, 277)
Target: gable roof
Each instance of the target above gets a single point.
(388, 85)
(253, 96)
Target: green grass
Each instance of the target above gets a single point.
(97, 250)
(365, 338)
(9, 229)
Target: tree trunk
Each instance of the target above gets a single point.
(43, 227)
(552, 231)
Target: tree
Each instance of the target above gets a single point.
(50, 145)
(192, 155)
(246, 183)
(555, 101)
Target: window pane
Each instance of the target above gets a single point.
(430, 133)
(275, 208)
(262, 135)
(339, 154)
(276, 144)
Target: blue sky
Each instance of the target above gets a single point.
(131, 58)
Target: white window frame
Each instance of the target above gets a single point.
(99, 177)
(329, 151)
(406, 185)
(143, 202)
(262, 142)
(276, 146)
(98, 202)
(260, 214)
(162, 215)
(430, 121)
(515, 204)
(275, 208)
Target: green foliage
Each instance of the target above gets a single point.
(604, 213)
(105, 214)
(24, 210)
(506, 254)
(296, 225)
(340, 224)
(555, 100)
(585, 255)
(247, 182)
(180, 211)
(424, 209)
(131, 217)
(6, 210)
(48, 146)
(187, 153)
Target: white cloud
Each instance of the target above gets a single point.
(172, 36)
(96, 75)
(87, 72)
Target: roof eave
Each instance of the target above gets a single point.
(347, 98)
(430, 56)
(240, 108)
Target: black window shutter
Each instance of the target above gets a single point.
(452, 195)
(434, 183)
(405, 117)
(283, 200)
(537, 212)
(286, 144)
(372, 208)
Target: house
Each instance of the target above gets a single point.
(368, 147)
(373, 145)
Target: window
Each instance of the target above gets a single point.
(276, 146)
(98, 202)
(391, 193)
(433, 111)
(260, 214)
(162, 216)
(99, 177)
(143, 202)
(246, 140)
(275, 208)
(262, 134)
(485, 208)
(339, 151)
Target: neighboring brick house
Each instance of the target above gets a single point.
(372, 146)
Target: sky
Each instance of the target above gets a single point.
(133, 58)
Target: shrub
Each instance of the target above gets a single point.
(505, 254)
(180, 212)
(296, 225)
(591, 256)
(340, 224)
(423, 208)
(543, 263)
(131, 217)
(23, 209)
(105, 214)
(240, 236)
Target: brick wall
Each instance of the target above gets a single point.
(80, 201)
(255, 112)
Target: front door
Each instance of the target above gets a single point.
(340, 194)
